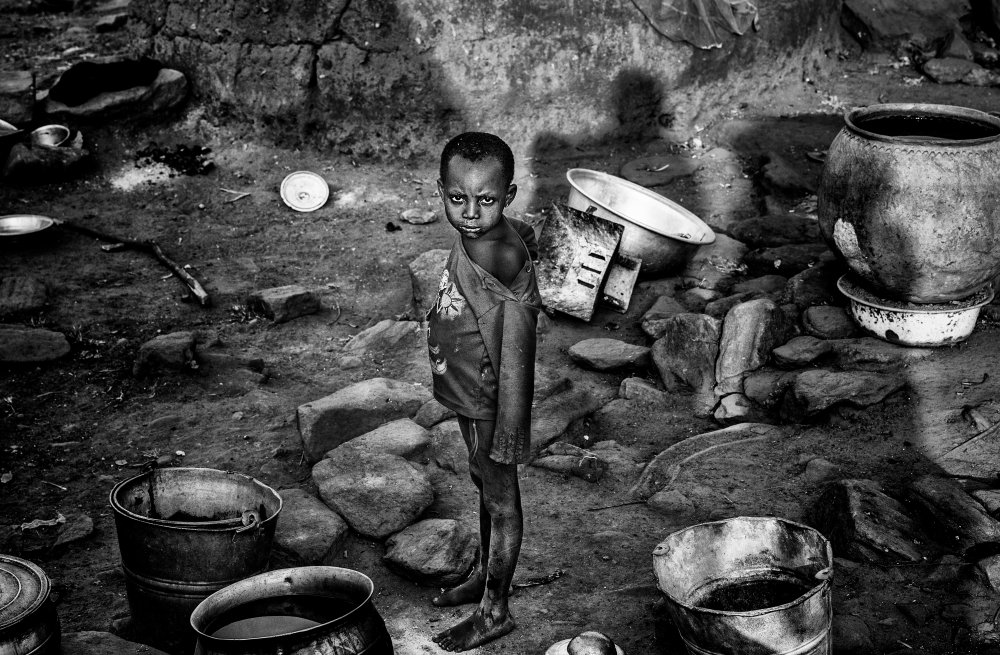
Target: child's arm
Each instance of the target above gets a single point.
(516, 383)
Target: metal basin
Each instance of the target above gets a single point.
(657, 230)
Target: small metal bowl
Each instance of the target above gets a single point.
(50, 135)
(16, 225)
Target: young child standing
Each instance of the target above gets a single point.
(481, 337)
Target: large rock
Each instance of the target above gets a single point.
(749, 334)
(765, 284)
(608, 354)
(865, 524)
(686, 353)
(433, 552)
(655, 318)
(402, 437)
(330, 421)
(800, 351)
(425, 276)
(814, 286)
(951, 70)
(174, 351)
(167, 90)
(817, 390)
(872, 353)
(281, 304)
(377, 494)
(716, 265)
(828, 322)
(551, 417)
(384, 335)
(777, 230)
(964, 521)
(891, 26)
(17, 96)
(433, 412)
(21, 294)
(25, 345)
(767, 387)
(308, 530)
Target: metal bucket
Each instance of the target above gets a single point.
(240, 619)
(183, 534)
(748, 586)
(28, 621)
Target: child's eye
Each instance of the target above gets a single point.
(456, 199)
(486, 202)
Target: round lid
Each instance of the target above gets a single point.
(24, 587)
(304, 191)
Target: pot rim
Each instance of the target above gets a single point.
(925, 109)
(44, 589)
(844, 285)
(702, 234)
(820, 587)
(224, 524)
(205, 606)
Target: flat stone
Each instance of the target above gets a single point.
(780, 176)
(766, 284)
(750, 332)
(551, 417)
(814, 286)
(433, 552)
(401, 437)
(633, 388)
(416, 216)
(174, 351)
(820, 470)
(719, 308)
(767, 387)
(448, 450)
(864, 524)
(354, 410)
(603, 354)
(785, 260)
(800, 351)
(76, 528)
(817, 390)
(952, 70)
(425, 276)
(735, 408)
(686, 354)
(671, 502)
(21, 345)
(431, 413)
(110, 23)
(38, 165)
(827, 322)
(385, 335)
(167, 90)
(89, 642)
(872, 352)
(663, 308)
(22, 294)
(777, 230)
(696, 299)
(281, 304)
(17, 96)
(963, 521)
(715, 266)
(376, 493)
(308, 530)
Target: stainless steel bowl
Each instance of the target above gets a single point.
(50, 135)
(19, 224)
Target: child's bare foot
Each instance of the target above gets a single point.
(470, 591)
(474, 631)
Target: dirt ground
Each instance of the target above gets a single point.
(71, 429)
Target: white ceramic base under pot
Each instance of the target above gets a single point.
(657, 230)
(914, 326)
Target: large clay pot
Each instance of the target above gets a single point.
(910, 199)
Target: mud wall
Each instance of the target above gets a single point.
(395, 76)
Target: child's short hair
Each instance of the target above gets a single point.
(476, 146)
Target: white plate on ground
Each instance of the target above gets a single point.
(19, 224)
(304, 191)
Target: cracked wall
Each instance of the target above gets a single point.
(391, 77)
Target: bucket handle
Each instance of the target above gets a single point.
(250, 519)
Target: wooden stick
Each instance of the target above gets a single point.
(150, 246)
(988, 432)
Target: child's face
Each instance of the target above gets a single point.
(475, 194)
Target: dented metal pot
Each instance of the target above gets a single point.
(910, 199)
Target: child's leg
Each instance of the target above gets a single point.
(501, 501)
